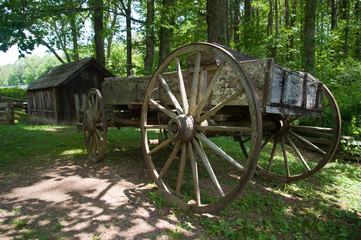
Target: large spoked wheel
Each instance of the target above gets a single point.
(203, 169)
(296, 147)
(94, 125)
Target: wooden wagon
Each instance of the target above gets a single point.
(210, 116)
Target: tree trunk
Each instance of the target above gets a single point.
(247, 20)
(270, 19)
(74, 33)
(166, 31)
(333, 14)
(51, 49)
(129, 38)
(358, 31)
(276, 19)
(291, 26)
(97, 7)
(149, 38)
(288, 27)
(217, 21)
(60, 33)
(110, 37)
(309, 35)
(287, 14)
(345, 15)
(236, 17)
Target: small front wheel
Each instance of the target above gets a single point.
(94, 125)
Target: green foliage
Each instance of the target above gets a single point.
(26, 70)
(20, 223)
(344, 81)
(13, 93)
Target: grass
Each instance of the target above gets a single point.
(324, 206)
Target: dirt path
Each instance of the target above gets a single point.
(69, 201)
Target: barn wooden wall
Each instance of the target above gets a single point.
(63, 105)
(42, 106)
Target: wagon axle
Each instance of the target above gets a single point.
(281, 126)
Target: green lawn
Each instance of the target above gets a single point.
(324, 206)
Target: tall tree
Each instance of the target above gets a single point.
(166, 30)
(345, 16)
(128, 12)
(357, 12)
(97, 10)
(217, 21)
(270, 18)
(247, 23)
(333, 14)
(149, 36)
(112, 18)
(235, 9)
(309, 35)
(292, 24)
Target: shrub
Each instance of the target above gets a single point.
(13, 93)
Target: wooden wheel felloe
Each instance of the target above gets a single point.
(296, 147)
(94, 125)
(194, 87)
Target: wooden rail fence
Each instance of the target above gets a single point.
(7, 113)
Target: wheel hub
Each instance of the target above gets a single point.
(282, 126)
(182, 127)
(89, 125)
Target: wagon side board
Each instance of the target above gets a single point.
(278, 90)
(293, 93)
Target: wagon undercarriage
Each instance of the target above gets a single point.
(209, 116)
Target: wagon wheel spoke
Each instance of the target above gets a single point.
(182, 86)
(307, 142)
(208, 166)
(284, 151)
(181, 167)
(161, 108)
(209, 90)
(298, 152)
(268, 139)
(171, 95)
(89, 140)
(156, 126)
(194, 89)
(194, 173)
(95, 144)
(276, 140)
(219, 106)
(160, 146)
(197, 166)
(223, 129)
(219, 151)
(170, 160)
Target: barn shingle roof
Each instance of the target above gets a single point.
(64, 73)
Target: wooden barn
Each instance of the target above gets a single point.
(58, 96)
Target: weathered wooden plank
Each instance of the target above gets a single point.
(122, 91)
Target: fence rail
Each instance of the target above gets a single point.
(7, 113)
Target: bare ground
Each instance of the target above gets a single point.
(70, 200)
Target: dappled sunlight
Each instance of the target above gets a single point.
(73, 151)
(81, 201)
